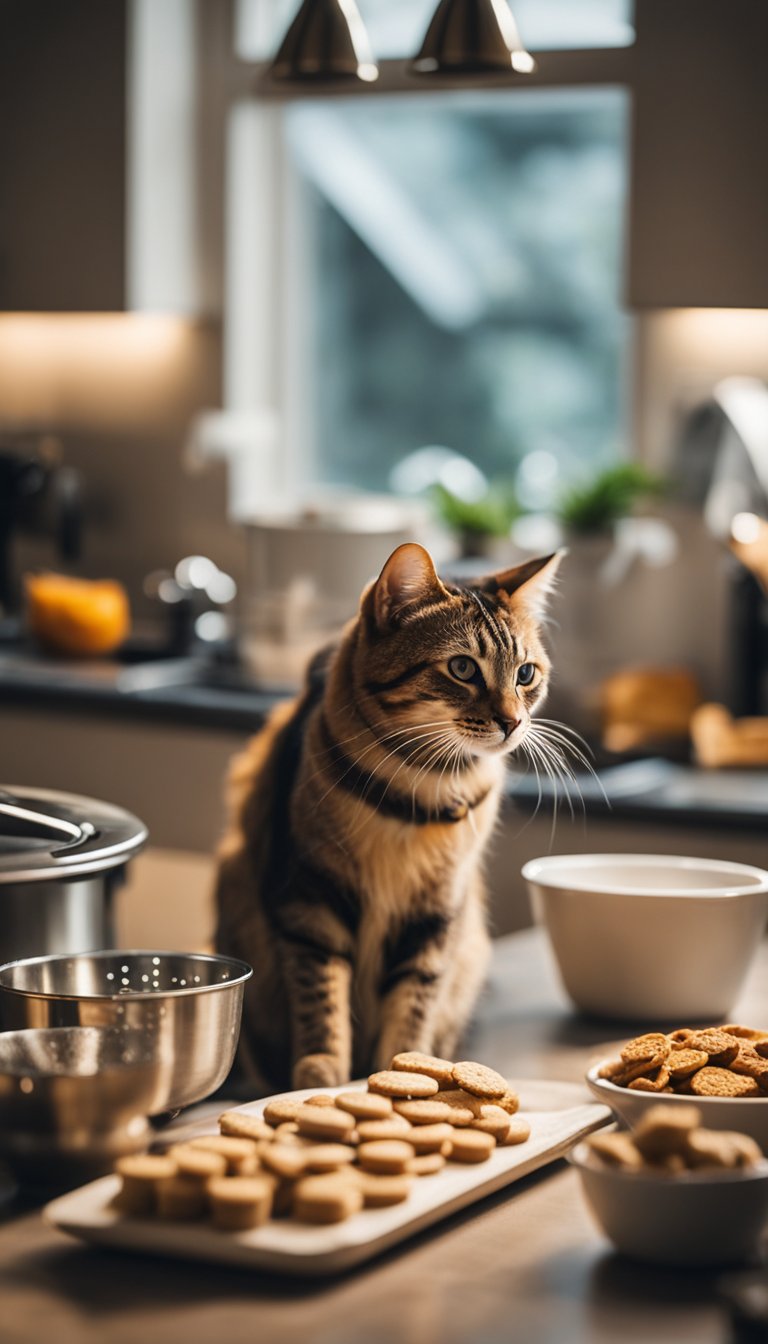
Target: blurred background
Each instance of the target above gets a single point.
(282, 286)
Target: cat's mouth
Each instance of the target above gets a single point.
(492, 740)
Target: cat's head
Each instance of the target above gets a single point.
(468, 660)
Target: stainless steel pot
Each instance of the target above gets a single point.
(61, 858)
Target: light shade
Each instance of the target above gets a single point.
(327, 40)
(472, 37)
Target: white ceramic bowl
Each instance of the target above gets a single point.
(650, 937)
(698, 1218)
(748, 1115)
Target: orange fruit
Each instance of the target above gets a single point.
(78, 617)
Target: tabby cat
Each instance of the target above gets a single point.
(351, 876)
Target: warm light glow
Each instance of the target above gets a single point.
(746, 528)
(62, 368)
(72, 337)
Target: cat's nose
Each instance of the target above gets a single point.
(508, 726)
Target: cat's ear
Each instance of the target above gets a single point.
(407, 581)
(528, 585)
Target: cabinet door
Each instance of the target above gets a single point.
(62, 155)
(699, 194)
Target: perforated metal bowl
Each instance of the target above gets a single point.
(188, 1007)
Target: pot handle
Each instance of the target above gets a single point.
(45, 826)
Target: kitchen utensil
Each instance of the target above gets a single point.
(650, 937)
(749, 1115)
(72, 1099)
(558, 1116)
(61, 858)
(695, 1218)
(188, 1004)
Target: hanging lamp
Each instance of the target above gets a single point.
(326, 41)
(472, 37)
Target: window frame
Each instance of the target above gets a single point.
(260, 227)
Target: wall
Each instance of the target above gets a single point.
(120, 390)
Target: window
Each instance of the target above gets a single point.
(463, 258)
(430, 269)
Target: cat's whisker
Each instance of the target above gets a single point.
(552, 730)
(436, 733)
(357, 762)
(551, 771)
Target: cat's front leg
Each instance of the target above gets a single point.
(413, 975)
(321, 1035)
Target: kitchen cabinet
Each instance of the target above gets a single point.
(698, 219)
(98, 156)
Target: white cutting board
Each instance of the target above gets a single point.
(560, 1114)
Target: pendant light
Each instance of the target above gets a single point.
(472, 37)
(326, 41)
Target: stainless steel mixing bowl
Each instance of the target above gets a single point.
(72, 1099)
(187, 1006)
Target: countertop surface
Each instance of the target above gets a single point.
(208, 695)
(524, 1265)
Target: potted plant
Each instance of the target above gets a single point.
(477, 523)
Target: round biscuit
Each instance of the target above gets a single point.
(324, 1122)
(240, 1202)
(393, 1083)
(716, 1082)
(430, 1138)
(426, 1164)
(321, 1157)
(412, 1061)
(464, 1108)
(288, 1161)
(326, 1199)
(380, 1191)
(427, 1111)
(385, 1156)
(493, 1120)
(519, 1131)
(648, 1046)
(275, 1112)
(365, 1105)
(471, 1145)
(394, 1127)
(479, 1080)
(240, 1126)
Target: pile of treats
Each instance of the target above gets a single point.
(729, 1061)
(326, 1158)
(670, 1139)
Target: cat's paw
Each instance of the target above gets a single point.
(319, 1071)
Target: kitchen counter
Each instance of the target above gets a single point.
(206, 695)
(193, 691)
(524, 1265)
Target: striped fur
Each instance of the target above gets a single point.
(351, 877)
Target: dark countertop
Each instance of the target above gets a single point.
(205, 694)
(525, 1264)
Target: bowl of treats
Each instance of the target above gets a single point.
(186, 1006)
(650, 937)
(722, 1070)
(675, 1192)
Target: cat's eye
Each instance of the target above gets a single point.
(463, 669)
(525, 674)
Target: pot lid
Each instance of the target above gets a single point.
(46, 835)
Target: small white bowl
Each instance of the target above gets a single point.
(746, 1115)
(697, 1218)
(650, 937)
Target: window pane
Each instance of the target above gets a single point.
(396, 27)
(464, 273)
